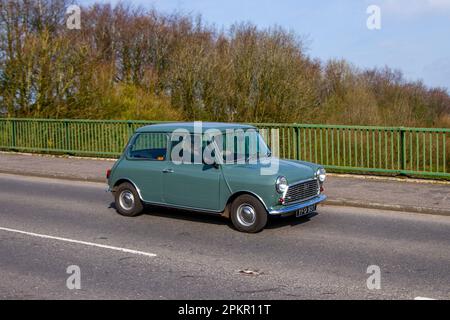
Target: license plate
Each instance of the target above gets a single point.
(305, 211)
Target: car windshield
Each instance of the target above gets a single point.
(247, 147)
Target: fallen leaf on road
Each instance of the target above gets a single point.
(249, 272)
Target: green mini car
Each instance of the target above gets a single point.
(218, 168)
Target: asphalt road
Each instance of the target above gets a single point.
(48, 225)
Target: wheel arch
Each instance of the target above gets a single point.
(126, 180)
(237, 194)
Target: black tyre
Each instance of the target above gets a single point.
(248, 214)
(127, 200)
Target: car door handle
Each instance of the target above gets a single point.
(168, 171)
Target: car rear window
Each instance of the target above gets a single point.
(149, 146)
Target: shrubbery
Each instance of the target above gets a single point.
(128, 63)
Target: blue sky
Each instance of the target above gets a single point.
(414, 35)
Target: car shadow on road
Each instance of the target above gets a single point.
(292, 221)
(181, 214)
(205, 218)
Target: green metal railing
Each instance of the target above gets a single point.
(388, 150)
(81, 137)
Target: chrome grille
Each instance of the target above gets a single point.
(302, 191)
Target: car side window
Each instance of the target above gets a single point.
(149, 146)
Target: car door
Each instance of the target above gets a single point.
(146, 160)
(192, 184)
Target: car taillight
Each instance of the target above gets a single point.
(108, 173)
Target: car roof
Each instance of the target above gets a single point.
(189, 126)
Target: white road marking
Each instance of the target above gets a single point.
(423, 298)
(142, 253)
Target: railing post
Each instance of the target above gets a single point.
(403, 148)
(130, 129)
(275, 142)
(13, 134)
(297, 142)
(67, 136)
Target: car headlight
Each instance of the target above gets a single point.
(321, 175)
(281, 184)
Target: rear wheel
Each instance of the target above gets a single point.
(248, 214)
(127, 200)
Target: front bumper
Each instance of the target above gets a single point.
(295, 207)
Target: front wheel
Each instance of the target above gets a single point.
(127, 200)
(248, 214)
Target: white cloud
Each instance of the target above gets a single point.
(411, 8)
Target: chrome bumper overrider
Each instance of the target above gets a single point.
(298, 206)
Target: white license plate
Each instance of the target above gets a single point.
(305, 211)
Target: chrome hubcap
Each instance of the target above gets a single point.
(246, 215)
(126, 200)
